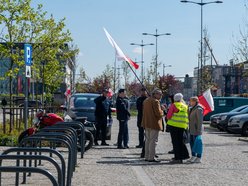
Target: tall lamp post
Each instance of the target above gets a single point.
(164, 66)
(142, 56)
(156, 57)
(199, 89)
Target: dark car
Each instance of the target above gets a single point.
(82, 105)
(32, 103)
(215, 119)
(222, 122)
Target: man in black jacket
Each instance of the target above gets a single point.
(123, 115)
(139, 106)
(102, 112)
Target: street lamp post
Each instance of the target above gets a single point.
(156, 35)
(164, 66)
(199, 89)
(142, 56)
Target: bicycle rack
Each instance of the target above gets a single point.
(64, 136)
(71, 155)
(78, 126)
(30, 169)
(27, 157)
(46, 150)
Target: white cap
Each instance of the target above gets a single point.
(178, 97)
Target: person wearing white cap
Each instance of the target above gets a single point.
(178, 121)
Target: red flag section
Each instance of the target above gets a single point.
(207, 102)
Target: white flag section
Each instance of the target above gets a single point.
(119, 53)
(207, 101)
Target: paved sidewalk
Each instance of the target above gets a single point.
(225, 162)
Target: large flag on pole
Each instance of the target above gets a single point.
(207, 101)
(119, 53)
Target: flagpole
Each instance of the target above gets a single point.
(142, 84)
(115, 74)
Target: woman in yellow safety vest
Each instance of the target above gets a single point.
(178, 121)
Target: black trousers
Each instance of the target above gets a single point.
(123, 136)
(179, 147)
(141, 134)
(101, 128)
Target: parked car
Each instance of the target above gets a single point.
(214, 119)
(226, 104)
(222, 123)
(32, 103)
(82, 107)
(238, 124)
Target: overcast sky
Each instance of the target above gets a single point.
(126, 20)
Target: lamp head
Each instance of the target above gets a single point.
(144, 34)
(218, 1)
(184, 1)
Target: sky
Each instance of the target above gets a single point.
(126, 20)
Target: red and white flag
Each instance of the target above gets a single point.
(119, 53)
(67, 92)
(207, 102)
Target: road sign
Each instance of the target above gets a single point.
(28, 71)
(28, 54)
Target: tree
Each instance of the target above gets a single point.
(105, 80)
(20, 23)
(169, 84)
(83, 82)
(126, 73)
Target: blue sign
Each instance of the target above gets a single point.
(28, 54)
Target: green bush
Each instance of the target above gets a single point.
(8, 140)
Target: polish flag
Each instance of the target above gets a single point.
(119, 53)
(207, 102)
(110, 93)
(67, 92)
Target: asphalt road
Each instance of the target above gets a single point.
(225, 162)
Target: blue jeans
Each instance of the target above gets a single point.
(196, 146)
(123, 136)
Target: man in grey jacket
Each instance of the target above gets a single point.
(195, 130)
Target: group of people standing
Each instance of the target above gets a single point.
(183, 122)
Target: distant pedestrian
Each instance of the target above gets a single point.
(195, 130)
(123, 115)
(178, 121)
(139, 106)
(102, 112)
(152, 122)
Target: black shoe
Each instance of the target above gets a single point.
(126, 147)
(155, 161)
(174, 161)
(156, 156)
(171, 152)
(104, 144)
(120, 147)
(139, 146)
(96, 143)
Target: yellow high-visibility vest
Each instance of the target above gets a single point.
(180, 119)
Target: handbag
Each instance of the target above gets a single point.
(186, 136)
(198, 147)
